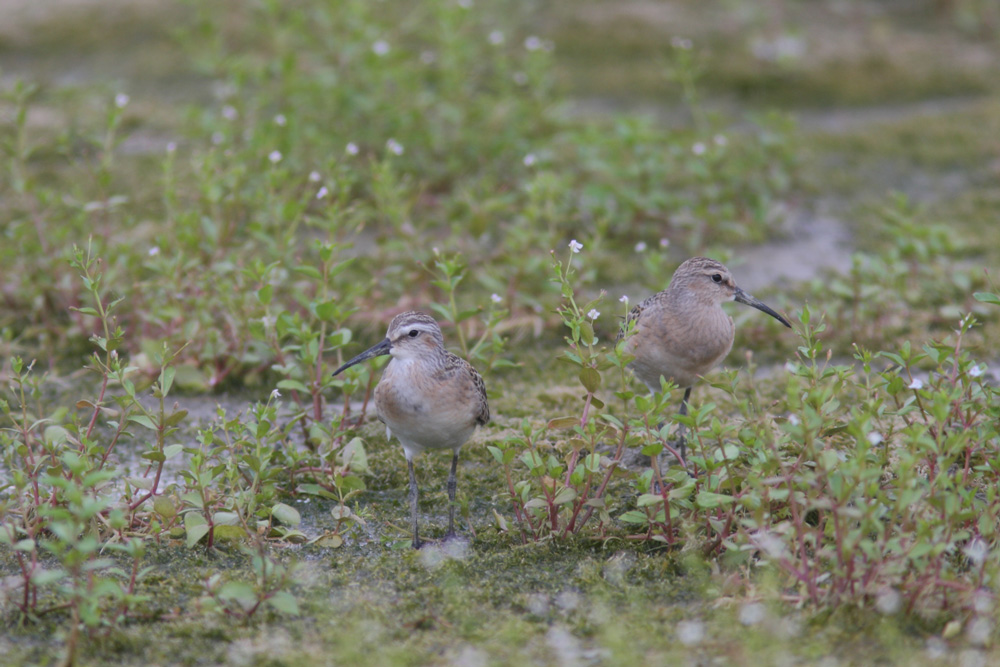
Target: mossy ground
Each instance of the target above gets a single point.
(493, 600)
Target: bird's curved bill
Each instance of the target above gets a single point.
(754, 302)
(374, 351)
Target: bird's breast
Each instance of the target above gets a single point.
(423, 409)
(680, 345)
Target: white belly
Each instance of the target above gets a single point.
(424, 417)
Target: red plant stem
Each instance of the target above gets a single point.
(583, 424)
(97, 408)
(577, 507)
(607, 476)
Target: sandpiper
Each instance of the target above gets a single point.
(682, 332)
(427, 397)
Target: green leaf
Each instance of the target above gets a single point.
(286, 514)
(164, 507)
(590, 379)
(41, 577)
(987, 297)
(707, 499)
(143, 420)
(310, 271)
(226, 519)
(316, 490)
(229, 534)
(647, 499)
(167, 379)
(354, 457)
(567, 494)
(264, 294)
(635, 516)
(284, 602)
(170, 451)
(293, 385)
(195, 533)
(563, 422)
(239, 592)
(175, 418)
(326, 310)
(25, 545)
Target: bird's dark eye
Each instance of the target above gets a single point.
(717, 277)
(414, 333)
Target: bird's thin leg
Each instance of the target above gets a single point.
(681, 428)
(413, 504)
(452, 483)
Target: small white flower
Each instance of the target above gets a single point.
(698, 148)
(623, 299)
(394, 147)
(520, 78)
(280, 120)
(720, 140)
(976, 371)
(794, 420)
(274, 157)
(681, 43)
(229, 112)
(121, 99)
(916, 384)
(575, 246)
(114, 354)
(352, 148)
(172, 147)
(593, 314)
(640, 246)
(496, 38)
(275, 394)
(218, 138)
(154, 251)
(314, 177)
(464, 4)
(532, 43)
(530, 159)
(496, 298)
(380, 48)
(427, 57)
(875, 437)
(664, 243)
(323, 192)
(791, 367)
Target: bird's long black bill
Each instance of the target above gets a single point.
(754, 302)
(374, 351)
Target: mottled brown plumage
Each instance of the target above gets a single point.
(427, 397)
(681, 333)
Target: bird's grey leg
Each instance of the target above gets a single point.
(452, 483)
(681, 428)
(413, 504)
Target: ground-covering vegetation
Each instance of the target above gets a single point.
(182, 480)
